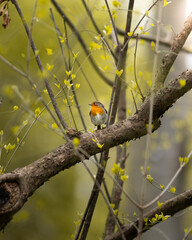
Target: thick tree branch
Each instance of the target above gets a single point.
(169, 59)
(170, 207)
(17, 186)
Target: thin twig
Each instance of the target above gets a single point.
(32, 85)
(86, 78)
(148, 142)
(98, 30)
(104, 155)
(106, 190)
(120, 66)
(168, 209)
(67, 44)
(50, 92)
(168, 185)
(93, 199)
(129, 38)
(58, 32)
(136, 109)
(113, 24)
(81, 41)
(31, 28)
(187, 233)
(162, 41)
(108, 203)
(70, 79)
(135, 74)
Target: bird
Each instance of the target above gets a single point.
(98, 114)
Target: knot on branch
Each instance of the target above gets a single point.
(11, 197)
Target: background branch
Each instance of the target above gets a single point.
(164, 42)
(48, 87)
(81, 41)
(97, 28)
(169, 207)
(121, 62)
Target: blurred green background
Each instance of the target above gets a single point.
(54, 211)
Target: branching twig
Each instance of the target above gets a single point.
(162, 41)
(98, 30)
(148, 141)
(68, 68)
(34, 175)
(81, 41)
(120, 66)
(105, 199)
(168, 185)
(169, 207)
(50, 92)
(113, 24)
(32, 85)
(104, 155)
(129, 38)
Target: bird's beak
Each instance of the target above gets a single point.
(90, 104)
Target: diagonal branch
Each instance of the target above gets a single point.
(97, 29)
(81, 41)
(169, 59)
(17, 186)
(111, 119)
(113, 24)
(39, 63)
(169, 207)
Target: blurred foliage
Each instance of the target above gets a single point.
(53, 212)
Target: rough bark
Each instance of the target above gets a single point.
(17, 186)
(170, 57)
(170, 207)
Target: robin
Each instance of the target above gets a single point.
(98, 114)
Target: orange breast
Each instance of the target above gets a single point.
(96, 109)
